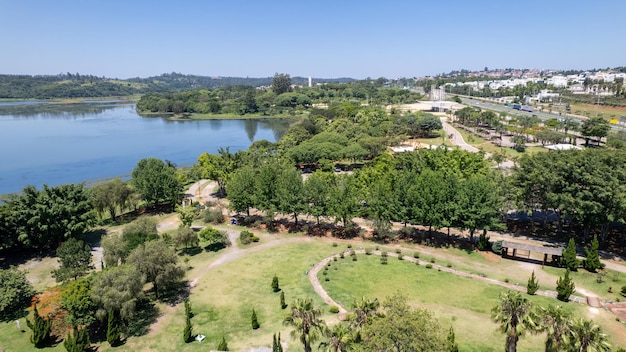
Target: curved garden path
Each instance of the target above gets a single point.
(319, 289)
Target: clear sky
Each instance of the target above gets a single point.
(318, 38)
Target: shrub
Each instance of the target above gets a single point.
(416, 255)
(449, 265)
(400, 256)
(324, 272)
(41, 328)
(377, 247)
(334, 259)
(334, 244)
(533, 284)
(483, 241)
(432, 260)
(328, 264)
(383, 260)
(352, 253)
(398, 251)
(246, 237)
(326, 278)
(354, 258)
(592, 262)
(341, 255)
(223, 346)
(283, 305)
(213, 216)
(275, 284)
(429, 266)
(568, 260)
(334, 309)
(368, 251)
(254, 321)
(349, 246)
(506, 280)
(496, 247)
(214, 236)
(383, 254)
(623, 292)
(564, 287)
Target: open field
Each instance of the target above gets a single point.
(590, 110)
(228, 284)
(489, 147)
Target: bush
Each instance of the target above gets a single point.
(533, 284)
(383, 254)
(429, 266)
(354, 258)
(254, 321)
(334, 244)
(568, 260)
(483, 242)
(326, 278)
(352, 253)
(416, 255)
(383, 260)
(398, 251)
(275, 285)
(377, 247)
(400, 256)
(349, 246)
(341, 255)
(564, 287)
(213, 216)
(368, 251)
(623, 291)
(449, 265)
(334, 259)
(496, 247)
(432, 260)
(247, 237)
(334, 309)
(214, 237)
(223, 346)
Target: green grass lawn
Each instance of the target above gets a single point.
(460, 302)
(589, 281)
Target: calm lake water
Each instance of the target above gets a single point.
(57, 144)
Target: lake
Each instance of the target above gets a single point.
(54, 144)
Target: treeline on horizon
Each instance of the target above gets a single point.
(282, 96)
(69, 85)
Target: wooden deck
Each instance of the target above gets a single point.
(515, 247)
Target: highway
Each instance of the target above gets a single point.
(499, 107)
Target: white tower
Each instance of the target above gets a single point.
(310, 82)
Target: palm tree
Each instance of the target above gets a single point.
(305, 320)
(364, 308)
(515, 316)
(588, 336)
(557, 323)
(338, 339)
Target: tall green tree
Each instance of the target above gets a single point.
(77, 341)
(290, 192)
(515, 316)
(188, 330)
(158, 263)
(533, 284)
(595, 127)
(156, 181)
(75, 257)
(565, 287)
(114, 334)
(241, 190)
(317, 195)
(15, 292)
(306, 322)
(41, 328)
(111, 196)
(478, 205)
(223, 346)
(118, 289)
(76, 298)
(281, 83)
(345, 198)
(187, 214)
(592, 262)
(568, 260)
(336, 339)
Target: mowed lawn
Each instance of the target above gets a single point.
(460, 302)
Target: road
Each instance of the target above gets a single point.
(509, 110)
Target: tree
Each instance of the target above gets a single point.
(533, 284)
(281, 83)
(219, 167)
(276, 345)
(275, 284)
(452, 345)
(564, 287)
(188, 330)
(403, 328)
(305, 319)
(75, 258)
(283, 305)
(344, 198)
(186, 214)
(289, 194)
(114, 335)
(41, 328)
(186, 237)
(592, 262)
(317, 194)
(241, 189)
(515, 316)
(47, 217)
(588, 336)
(111, 196)
(337, 339)
(254, 320)
(556, 322)
(365, 310)
(595, 127)
(568, 260)
(118, 289)
(77, 341)
(223, 346)
(478, 205)
(159, 263)
(76, 299)
(156, 181)
(15, 292)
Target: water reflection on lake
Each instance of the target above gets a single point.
(57, 143)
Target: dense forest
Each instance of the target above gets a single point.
(69, 85)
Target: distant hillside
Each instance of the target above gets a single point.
(87, 86)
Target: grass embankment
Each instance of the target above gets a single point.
(592, 110)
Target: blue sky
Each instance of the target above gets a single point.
(321, 38)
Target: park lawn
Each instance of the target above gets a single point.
(224, 298)
(588, 281)
(461, 302)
